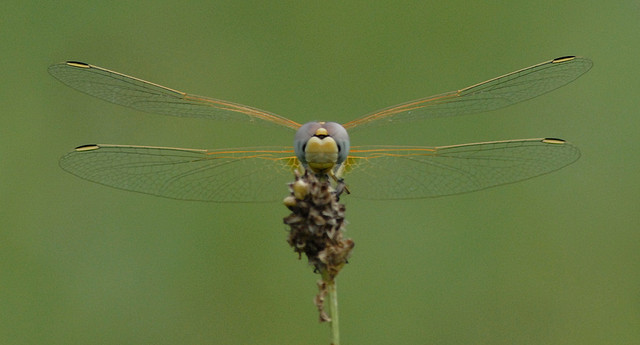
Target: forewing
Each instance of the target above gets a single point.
(146, 96)
(236, 175)
(492, 94)
(393, 172)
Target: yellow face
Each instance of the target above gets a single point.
(321, 147)
(321, 151)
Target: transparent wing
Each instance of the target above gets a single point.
(395, 172)
(492, 94)
(146, 96)
(236, 175)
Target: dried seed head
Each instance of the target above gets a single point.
(317, 224)
(289, 201)
(300, 189)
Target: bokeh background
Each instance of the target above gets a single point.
(553, 260)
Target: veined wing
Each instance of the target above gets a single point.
(492, 94)
(234, 175)
(397, 172)
(146, 96)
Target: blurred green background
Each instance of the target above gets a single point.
(553, 260)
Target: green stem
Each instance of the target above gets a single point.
(333, 309)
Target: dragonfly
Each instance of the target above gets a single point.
(377, 172)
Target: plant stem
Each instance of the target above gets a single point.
(333, 309)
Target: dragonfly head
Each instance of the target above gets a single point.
(321, 146)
